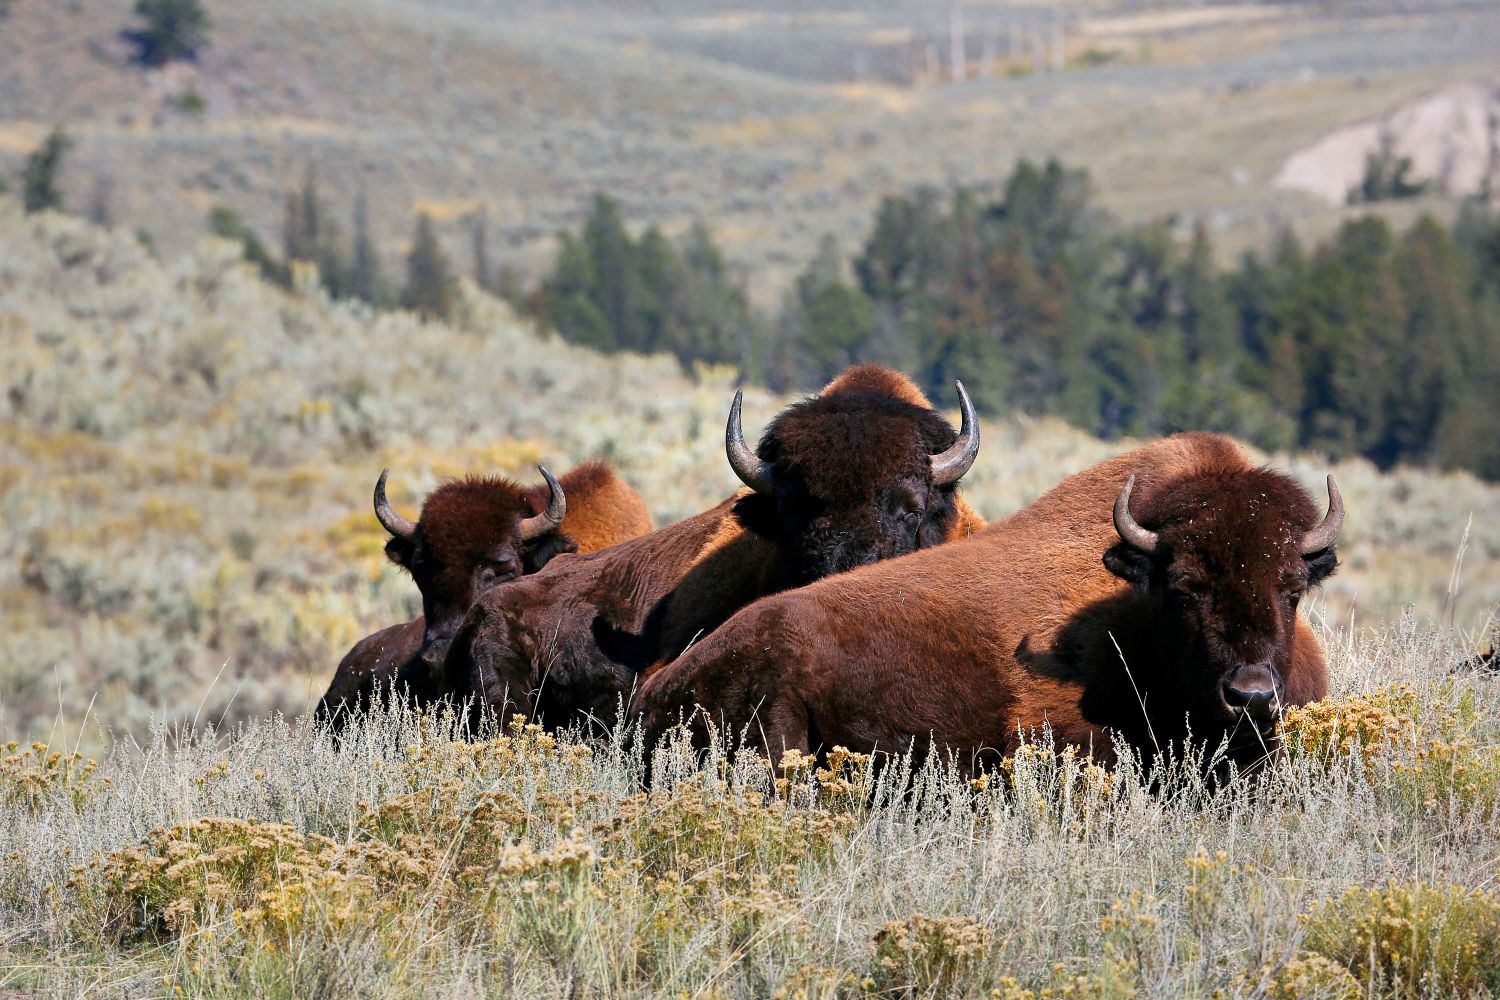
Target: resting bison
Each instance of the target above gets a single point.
(1156, 589)
(475, 534)
(863, 471)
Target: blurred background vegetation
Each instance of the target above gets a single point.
(251, 254)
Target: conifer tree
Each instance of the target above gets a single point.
(226, 222)
(39, 175)
(479, 241)
(173, 30)
(364, 268)
(429, 287)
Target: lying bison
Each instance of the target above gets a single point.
(865, 470)
(473, 535)
(1153, 592)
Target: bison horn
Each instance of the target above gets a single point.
(753, 472)
(1129, 530)
(551, 518)
(949, 466)
(389, 519)
(1323, 535)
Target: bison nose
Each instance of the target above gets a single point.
(1253, 690)
(433, 653)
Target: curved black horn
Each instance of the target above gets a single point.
(753, 472)
(1126, 525)
(551, 518)
(386, 514)
(949, 466)
(1323, 535)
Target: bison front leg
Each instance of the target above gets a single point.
(480, 670)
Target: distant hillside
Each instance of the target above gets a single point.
(187, 456)
(778, 124)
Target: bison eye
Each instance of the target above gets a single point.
(493, 573)
(1190, 588)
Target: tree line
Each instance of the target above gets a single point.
(314, 242)
(1373, 342)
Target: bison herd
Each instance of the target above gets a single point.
(848, 596)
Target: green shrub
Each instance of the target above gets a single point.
(173, 30)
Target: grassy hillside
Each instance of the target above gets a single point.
(776, 125)
(187, 458)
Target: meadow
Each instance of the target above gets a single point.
(186, 547)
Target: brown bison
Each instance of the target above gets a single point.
(865, 470)
(473, 535)
(1153, 592)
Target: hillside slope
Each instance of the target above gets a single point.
(187, 456)
(775, 126)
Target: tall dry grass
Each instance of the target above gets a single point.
(268, 860)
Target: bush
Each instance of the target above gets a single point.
(174, 30)
(1412, 940)
(929, 956)
(39, 191)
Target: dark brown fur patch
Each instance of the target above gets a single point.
(848, 445)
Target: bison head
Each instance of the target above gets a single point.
(849, 478)
(474, 534)
(1224, 558)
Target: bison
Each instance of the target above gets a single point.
(863, 471)
(1154, 592)
(473, 535)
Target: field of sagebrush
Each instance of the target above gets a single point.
(268, 861)
(187, 459)
(186, 547)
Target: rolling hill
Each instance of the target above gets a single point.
(188, 453)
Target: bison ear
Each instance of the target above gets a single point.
(401, 551)
(539, 551)
(1320, 565)
(1129, 564)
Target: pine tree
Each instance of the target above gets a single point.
(567, 299)
(429, 287)
(301, 228)
(364, 270)
(1207, 324)
(173, 30)
(619, 294)
(834, 320)
(479, 241)
(39, 190)
(226, 222)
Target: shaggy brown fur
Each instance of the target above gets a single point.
(468, 542)
(849, 465)
(1030, 623)
(854, 477)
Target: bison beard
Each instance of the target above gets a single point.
(1049, 617)
(864, 471)
(475, 534)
